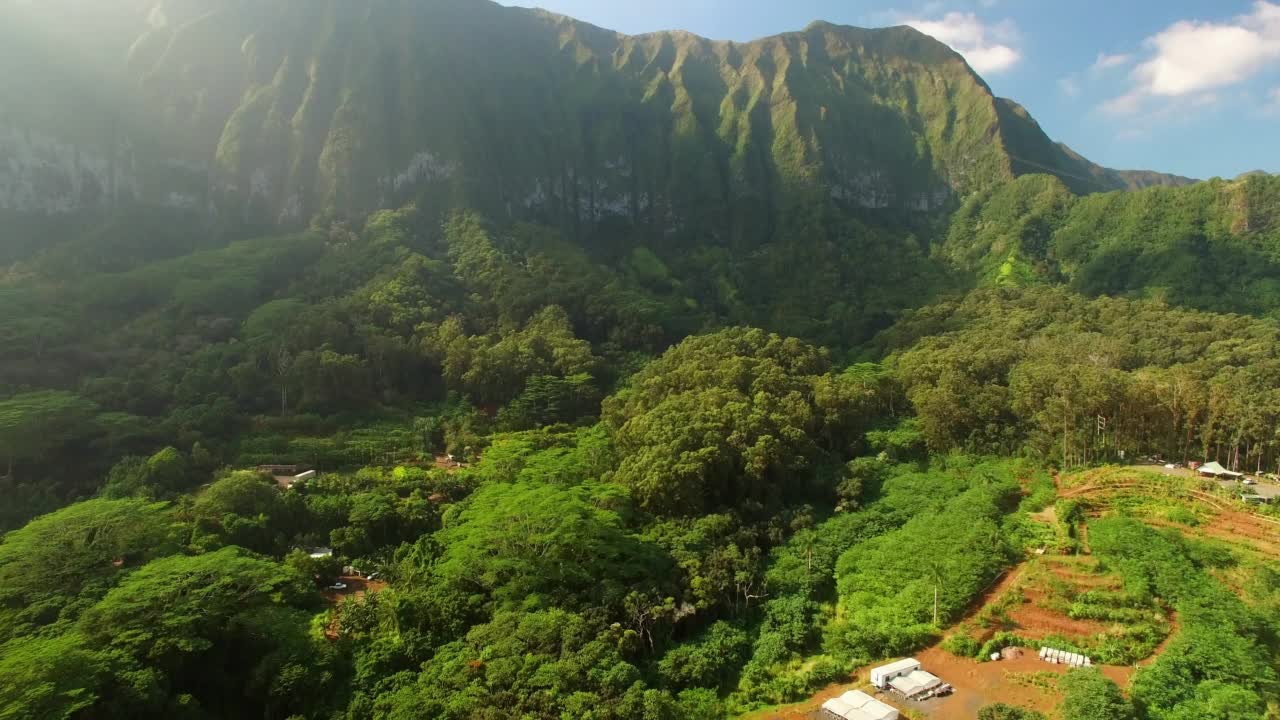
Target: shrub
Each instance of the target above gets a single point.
(825, 671)
(709, 660)
(1000, 641)
(1182, 516)
(961, 645)
(1001, 711)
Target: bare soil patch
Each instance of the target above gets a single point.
(983, 683)
(976, 684)
(1034, 621)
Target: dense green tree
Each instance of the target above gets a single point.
(51, 677)
(1082, 381)
(222, 628)
(726, 419)
(546, 664)
(1087, 694)
(159, 476)
(239, 510)
(55, 564)
(513, 545)
(710, 660)
(1216, 700)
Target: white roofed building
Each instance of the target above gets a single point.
(881, 676)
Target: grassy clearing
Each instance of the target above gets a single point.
(1042, 679)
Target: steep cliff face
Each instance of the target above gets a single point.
(74, 133)
(282, 110)
(335, 106)
(44, 174)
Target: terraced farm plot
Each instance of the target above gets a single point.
(1069, 603)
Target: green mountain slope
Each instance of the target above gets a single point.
(1213, 245)
(1031, 151)
(282, 111)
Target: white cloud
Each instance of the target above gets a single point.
(1107, 62)
(1190, 57)
(1144, 122)
(1272, 106)
(987, 48)
(1126, 104)
(1069, 85)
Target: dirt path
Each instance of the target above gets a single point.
(1174, 628)
(1002, 585)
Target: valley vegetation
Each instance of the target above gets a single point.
(693, 532)
(687, 460)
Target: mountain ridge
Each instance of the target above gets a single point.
(279, 113)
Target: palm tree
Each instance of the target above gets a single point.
(935, 568)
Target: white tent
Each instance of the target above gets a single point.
(857, 705)
(917, 682)
(1216, 470)
(838, 706)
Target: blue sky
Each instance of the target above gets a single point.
(1172, 85)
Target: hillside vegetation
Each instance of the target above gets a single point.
(645, 377)
(1211, 246)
